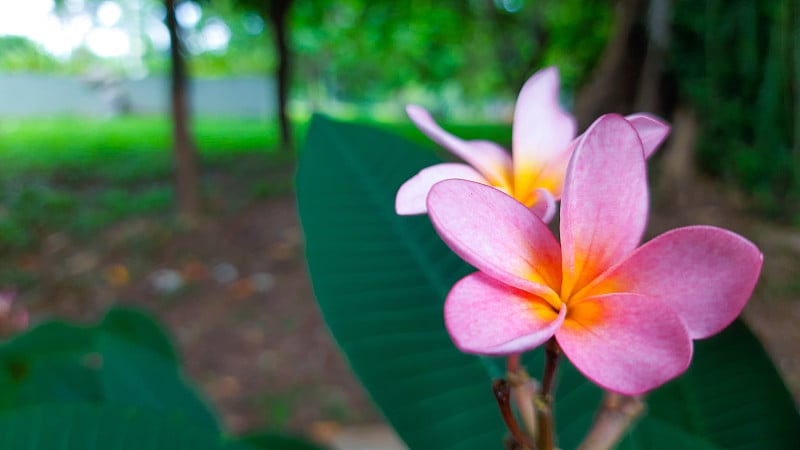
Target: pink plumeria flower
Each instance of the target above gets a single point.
(625, 316)
(543, 139)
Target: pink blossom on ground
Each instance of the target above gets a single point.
(543, 139)
(13, 319)
(624, 314)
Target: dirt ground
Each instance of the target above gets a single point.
(235, 294)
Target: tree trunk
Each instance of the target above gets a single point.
(678, 174)
(651, 90)
(794, 12)
(613, 85)
(186, 160)
(278, 12)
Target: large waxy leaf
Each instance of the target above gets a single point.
(114, 385)
(51, 361)
(125, 359)
(135, 375)
(730, 398)
(83, 426)
(381, 280)
(267, 440)
(136, 326)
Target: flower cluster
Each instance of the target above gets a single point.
(624, 314)
(543, 140)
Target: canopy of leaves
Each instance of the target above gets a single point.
(21, 54)
(738, 64)
(359, 49)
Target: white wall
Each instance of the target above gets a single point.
(25, 95)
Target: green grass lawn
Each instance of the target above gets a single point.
(120, 148)
(137, 148)
(80, 175)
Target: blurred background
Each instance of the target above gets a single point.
(148, 149)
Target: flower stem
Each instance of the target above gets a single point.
(502, 393)
(616, 415)
(524, 392)
(544, 409)
(552, 353)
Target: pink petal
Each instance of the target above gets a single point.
(652, 131)
(604, 203)
(541, 130)
(412, 194)
(553, 174)
(486, 317)
(545, 205)
(490, 159)
(498, 235)
(705, 274)
(626, 343)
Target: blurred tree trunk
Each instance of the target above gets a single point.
(649, 91)
(794, 24)
(678, 174)
(278, 13)
(613, 85)
(186, 160)
(631, 77)
(677, 165)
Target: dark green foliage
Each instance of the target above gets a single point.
(116, 384)
(735, 62)
(730, 398)
(270, 441)
(28, 210)
(83, 426)
(475, 50)
(125, 359)
(381, 281)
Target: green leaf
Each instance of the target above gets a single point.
(277, 441)
(135, 375)
(136, 326)
(125, 359)
(65, 426)
(730, 398)
(49, 338)
(84, 426)
(53, 361)
(381, 280)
